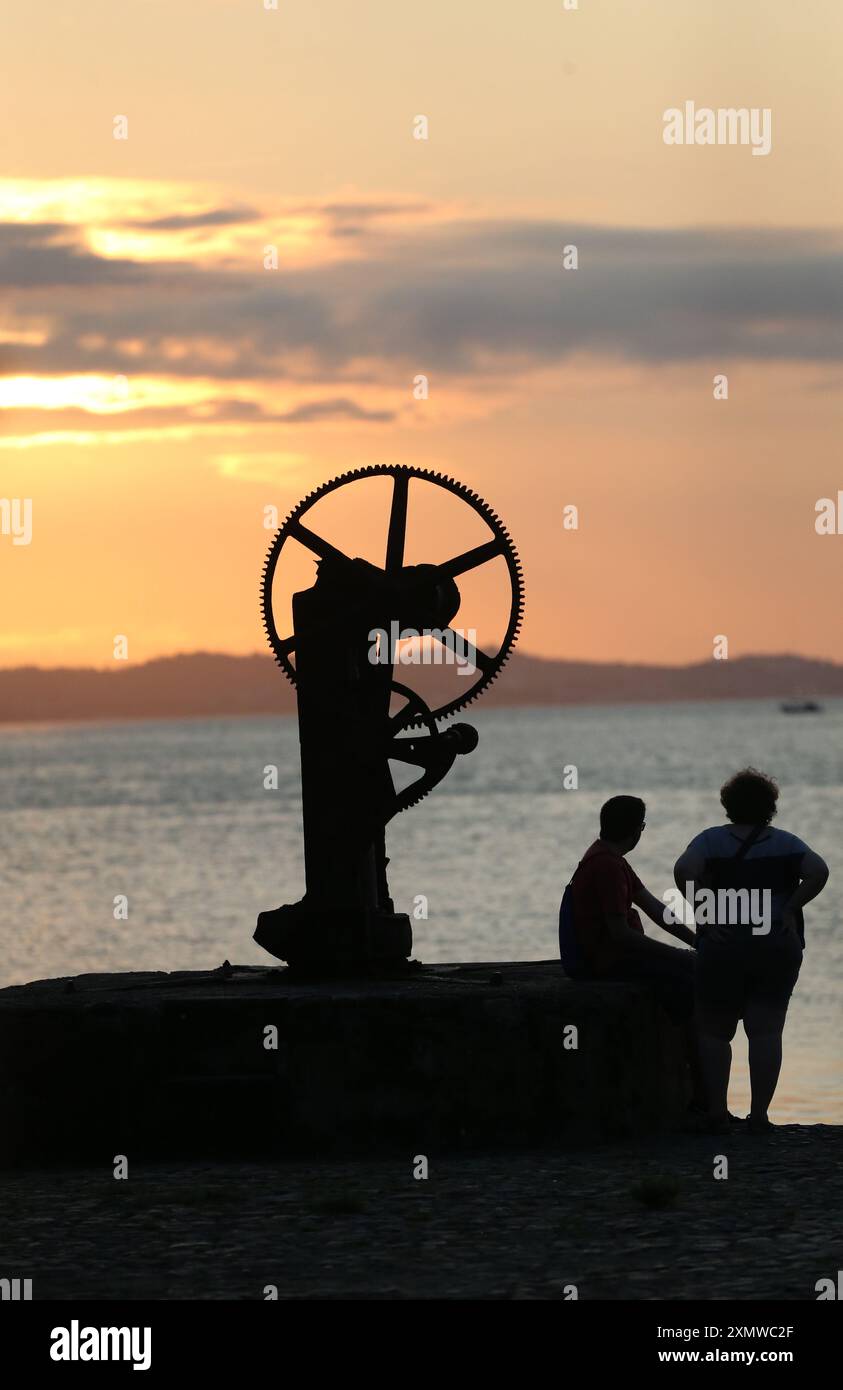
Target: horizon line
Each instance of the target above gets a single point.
(123, 666)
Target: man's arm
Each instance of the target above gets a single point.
(656, 910)
(634, 943)
(612, 898)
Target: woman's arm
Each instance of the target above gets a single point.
(814, 873)
(689, 875)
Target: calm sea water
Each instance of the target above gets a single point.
(174, 815)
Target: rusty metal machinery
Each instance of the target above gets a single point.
(355, 717)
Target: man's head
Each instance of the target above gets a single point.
(621, 821)
(749, 798)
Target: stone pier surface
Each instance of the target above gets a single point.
(453, 1056)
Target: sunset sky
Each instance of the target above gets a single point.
(160, 387)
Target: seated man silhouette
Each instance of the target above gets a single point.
(608, 939)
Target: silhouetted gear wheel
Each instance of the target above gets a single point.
(500, 543)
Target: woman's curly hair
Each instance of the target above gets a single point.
(749, 797)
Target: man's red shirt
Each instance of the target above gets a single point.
(603, 885)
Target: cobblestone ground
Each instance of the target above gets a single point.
(635, 1220)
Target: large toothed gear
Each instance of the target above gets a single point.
(488, 666)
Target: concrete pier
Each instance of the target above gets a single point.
(244, 1061)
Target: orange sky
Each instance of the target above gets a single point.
(160, 387)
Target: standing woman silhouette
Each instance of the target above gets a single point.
(746, 970)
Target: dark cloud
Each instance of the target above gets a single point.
(341, 409)
(364, 212)
(448, 297)
(217, 217)
(222, 411)
(42, 255)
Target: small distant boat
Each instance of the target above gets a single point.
(801, 707)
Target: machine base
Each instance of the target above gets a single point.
(320, 941)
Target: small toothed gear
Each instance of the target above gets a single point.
(416, 713)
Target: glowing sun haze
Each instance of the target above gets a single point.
(232, 304)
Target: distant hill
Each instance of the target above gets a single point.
(207, 684)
